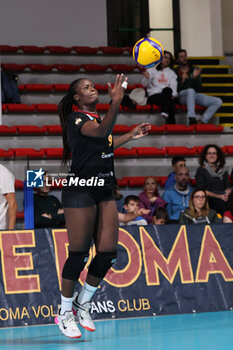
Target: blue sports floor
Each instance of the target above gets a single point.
(184, 332)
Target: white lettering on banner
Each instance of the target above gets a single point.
(75, 181)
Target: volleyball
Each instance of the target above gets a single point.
(147, 52)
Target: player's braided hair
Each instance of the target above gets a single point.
(64, 110)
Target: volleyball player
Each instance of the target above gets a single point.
(90, 211)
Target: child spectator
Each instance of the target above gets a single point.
(160, 216)
(132, 212)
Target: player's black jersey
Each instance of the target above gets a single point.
(92, 158)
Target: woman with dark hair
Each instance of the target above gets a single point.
(213, 177)
(161, 85)
(88, 199)
(228, 215)
(199, 211)
(150, 198)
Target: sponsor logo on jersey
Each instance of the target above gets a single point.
(78, 121)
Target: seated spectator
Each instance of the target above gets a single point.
(213, 177)
(177, 162)
(9, 91)
(189, 86)
(132, 212)
(160, 216)
(199, 211)
(228, 215)
(136, 97)
(119, 199)
(232, 175)
(48, 210)
(8, 204)
(161, 86)
(178, 196)
(150, 198)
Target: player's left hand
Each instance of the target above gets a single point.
(140, 130)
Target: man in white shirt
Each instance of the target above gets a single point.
(8, 204)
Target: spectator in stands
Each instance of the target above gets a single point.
(228, 215)
(199, 211)
(178, 196)
(48, 210)
(8, 204)
(9, 91)
(150, 198)
(189, 86)
(119, 199)
(160, 216)
(177, 162)
(213, 177)
(161, 85)
(132, 215)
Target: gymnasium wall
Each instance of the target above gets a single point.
(227, 24)
(53, 22)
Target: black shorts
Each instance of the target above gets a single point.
(78, 199)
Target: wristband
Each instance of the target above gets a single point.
(124, 84)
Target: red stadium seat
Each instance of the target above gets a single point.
(91, 67)
(208, 128)
(4, 108)
(37, 67)
(157, 129)
(228, 150)
(20, 108)
(54, 129)
(150, 152)
(146, 108)
(198, 149)
(21, 88)
(67, 67)
(61, 87)
(112, 50)
(47, 108)
(8, 48)
(102, 107)
(18, 184)
(193, 182)
(58, 49)
(121, 67)
(101, 88)
(14, 67)
(38, 88)
(32, 49)
(161, 180)
(179, 128)
(6, 154)
(85, 49)
(27, 152)
(54, 153)
(123, 152)
(122, 182)
(182, 151)
(136, 181)
(31, 130)
(121, 129)
(8, 130)
(20, 215)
